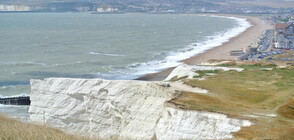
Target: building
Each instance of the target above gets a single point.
(280, 28)
(107, 10)
(290, 29)
(284, 36)
(281, 42)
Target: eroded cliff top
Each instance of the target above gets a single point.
(262, 93)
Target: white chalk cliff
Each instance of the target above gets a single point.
(190, 71)
(14, 8)
(117, 109)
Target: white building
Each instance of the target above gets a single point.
(106, 10)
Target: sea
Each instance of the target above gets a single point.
(109, 46)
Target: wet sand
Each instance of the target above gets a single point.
(240, 42)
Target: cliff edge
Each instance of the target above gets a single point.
(122, 109)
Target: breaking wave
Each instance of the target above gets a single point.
(174, 58)
(28, 63)
(106, 54)
(15, 96)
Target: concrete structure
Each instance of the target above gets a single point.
(22, 100)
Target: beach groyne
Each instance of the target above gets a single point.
(22, 100)
(122, 109)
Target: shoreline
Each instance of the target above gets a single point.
(243, 40)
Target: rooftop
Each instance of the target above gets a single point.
(281, 26)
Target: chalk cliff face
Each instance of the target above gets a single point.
(190, 71)
(122, 109)
(14, 8)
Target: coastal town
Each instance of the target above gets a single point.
(274, 41)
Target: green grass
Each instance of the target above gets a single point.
(247, 65)
(206, 73)
(257, 66)
(228, 64)
(247, 84)
(252, 91)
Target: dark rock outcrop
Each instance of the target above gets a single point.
(22, 100)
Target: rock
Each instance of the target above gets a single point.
(187, 124)
(190, 70)
(165, 84)
(110, 109)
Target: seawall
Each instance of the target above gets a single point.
(22, 100)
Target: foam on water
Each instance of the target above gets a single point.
(72, 63)
(15, 96)
(6, 87)
(106, 54)
(173, 58)
(14, 111)
(27, 63)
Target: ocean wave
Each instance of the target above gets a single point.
(28, 63)
(15, 96)
(6, 84)
(7, 87)
(66, 64)
(173, 58)
(10, 107)
(19, 112)
(160, 54)
(106, 54)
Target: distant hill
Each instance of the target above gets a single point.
(153, 6)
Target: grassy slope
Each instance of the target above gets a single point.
(251, 92)
(11, 129)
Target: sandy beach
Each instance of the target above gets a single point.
(239, 42)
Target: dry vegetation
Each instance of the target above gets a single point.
(287, 110)
(11, 129)
(255, 92)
